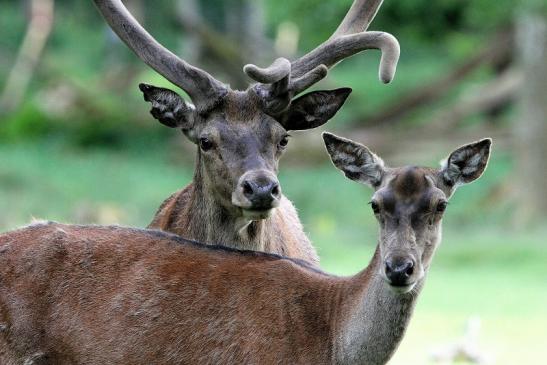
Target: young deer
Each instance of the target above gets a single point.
(110, 295)
(235, 197)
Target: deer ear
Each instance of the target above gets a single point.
(314, 109)
(355, 160)
(168, 107)
(466, 163)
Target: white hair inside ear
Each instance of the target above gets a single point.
(466, 163)
(356, 161)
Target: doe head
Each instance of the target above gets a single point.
(408, 202)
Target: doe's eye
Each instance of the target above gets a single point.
(284, 142)
(375, 207)
(205, 144)
(441, 206)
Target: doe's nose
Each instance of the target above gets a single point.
(399, 271)
(261, 192)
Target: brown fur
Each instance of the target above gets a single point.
(246, 145)
(110, 295)
(282, 233)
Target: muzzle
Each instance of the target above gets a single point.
(257, 192)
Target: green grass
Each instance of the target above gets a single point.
(57, 182)
(483, 268)
(497, 276)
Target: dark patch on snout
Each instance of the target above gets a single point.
(261, 192)
(399, 271)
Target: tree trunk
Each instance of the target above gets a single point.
(192, 45)
(245, 25)
(530, 128)
(490, 99)
(38, 31)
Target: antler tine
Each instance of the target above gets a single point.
(204, 90)
(314, 76)
(279, 69)
(274, 84)
(358, 18)
(335, 50)
(276, 88)
(350, 38)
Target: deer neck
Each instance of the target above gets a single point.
(212, 221)
(372, 319)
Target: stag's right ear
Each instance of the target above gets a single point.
(168, 107)
(355, 160)
(314, 109)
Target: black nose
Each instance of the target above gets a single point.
(261, 192)
(399, 270)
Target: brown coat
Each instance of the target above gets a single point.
(111, 295)
(187, 214)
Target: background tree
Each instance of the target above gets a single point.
(40, 22)
(225, 35)
(530, 128)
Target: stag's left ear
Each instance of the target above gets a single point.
(314, 109)
(168, 107)
(467, 163)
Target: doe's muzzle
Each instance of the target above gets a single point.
(399, 271)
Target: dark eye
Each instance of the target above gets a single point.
(205, 144)
(375, 207)
(284, 141)
(441, 206)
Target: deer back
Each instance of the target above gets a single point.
(110, 295)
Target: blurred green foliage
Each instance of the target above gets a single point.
(416, 22)
(100, 75)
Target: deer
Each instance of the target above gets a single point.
(235, 197)
(112, 295)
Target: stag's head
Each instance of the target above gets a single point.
(408, 202)
(241, 139)
(240, 135)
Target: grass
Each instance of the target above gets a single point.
(482, 268)
(497, 276)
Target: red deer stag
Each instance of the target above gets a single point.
(109, 295)
(235, 197)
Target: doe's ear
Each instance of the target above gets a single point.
(356, 161)
(466, 163)
(314, 109)
(168, 107)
